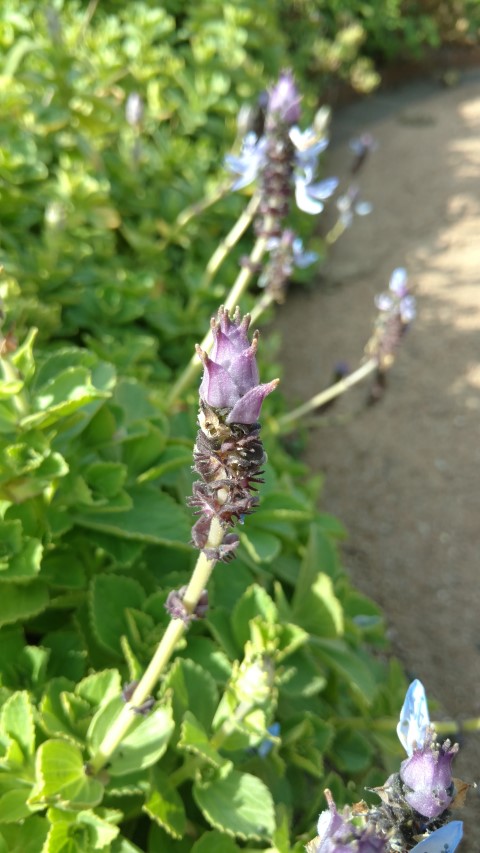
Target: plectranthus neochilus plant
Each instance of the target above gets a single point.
(228, 457)
(414, 814)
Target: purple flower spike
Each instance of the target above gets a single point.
(284, 100)
(427, 777)
(228, 452)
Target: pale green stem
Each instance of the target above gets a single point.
(232, 238)
(239, 287)
(166, 647)
(324, 396)
(335, 232)
(198, 207)
(389, 724)
(263, 303)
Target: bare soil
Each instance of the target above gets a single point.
(403, 475)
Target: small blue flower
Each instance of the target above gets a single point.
(267, 745)
(250, 162)
(310, 197)
(399, 299)
(301, 258)
(414, 718)
(349, 204)
(443, 840)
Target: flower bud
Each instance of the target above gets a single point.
(284, 100)
(427, 777)
(230, 378)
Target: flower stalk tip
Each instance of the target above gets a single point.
(228, 453)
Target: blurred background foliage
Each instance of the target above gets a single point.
(104, 295)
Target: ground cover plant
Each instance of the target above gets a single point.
(113, 134)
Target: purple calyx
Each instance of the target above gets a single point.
(230, 378)
(427, 777)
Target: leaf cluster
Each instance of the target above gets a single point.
(103, 291)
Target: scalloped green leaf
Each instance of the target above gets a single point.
(192, 688)
(25, 565)
(17, 721)
(351, 752)
(154, 517)
(239, 804)
(99, 687)
(215, 842)
(319, 611)
(26, 837)
(145, 743)
(261, 546)
(22, 602)
(254, 602)
(63, 395)
(165, 806)
(344, 660)
(194, 739)
(61, 776)
(110, 596)
(13, 805)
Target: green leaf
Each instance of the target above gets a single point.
(100, 687)
(165, 806)
(22, 602)
(25, 837)
(237, 803)
(347, 663)
(194, 739)
(61, 776)
(261, 546)
(17, 721)
(215, 842)
(110, 596)
(254, 602)
(319, 610)
(154, 517)
(24, 565)
(145, 743)
(192, 688)
(13, 805)
(68, 391)
(351, 752)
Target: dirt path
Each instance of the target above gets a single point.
(404, 476)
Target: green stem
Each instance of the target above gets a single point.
(290, 419)
(389, 724)
(232, 238)
(336, 232)
(198, 207)
(263, 303)
(239, 287)
(166, 647)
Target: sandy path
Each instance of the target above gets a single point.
(404, 476)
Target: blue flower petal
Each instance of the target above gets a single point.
(443, 840)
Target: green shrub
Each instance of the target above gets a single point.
(95, 468)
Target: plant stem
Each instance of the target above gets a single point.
(199, 206)
(163, 653)
(232, 238)
(290, 419)
(263, 303)
(239, 287)
(389, 724)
